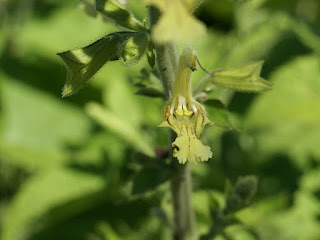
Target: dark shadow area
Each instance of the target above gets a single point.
(279, 174)
(11, 179)
(217, 14)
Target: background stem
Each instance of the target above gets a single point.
(181, 183)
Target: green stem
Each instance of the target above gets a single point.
(181, 183)
(181, 188)
(166, 57)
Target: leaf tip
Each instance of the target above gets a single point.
(66, 91)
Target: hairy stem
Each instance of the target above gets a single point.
(166, 57)
(181, 183)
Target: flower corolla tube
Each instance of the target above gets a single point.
(184, 115)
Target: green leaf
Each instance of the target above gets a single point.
(300, 221)
(217, 112)
(149, 178)
(42, 194)
(117, 12)
(36, 126)
(119, 126)
(83, 63)
(106, 232)
(147, 78)
(245, 78)
(151, 55)
(134, 49)
(149, 84)
(286, 120)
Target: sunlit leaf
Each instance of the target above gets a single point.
(83, 63)
(43, 193)
(245, 78)
(116, 11)
(35, 126)
(287, 118)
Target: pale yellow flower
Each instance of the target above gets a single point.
(185, 115)
(176, 21)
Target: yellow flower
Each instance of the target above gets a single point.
(185, 115)
(176, 21)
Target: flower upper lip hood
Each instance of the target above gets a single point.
(184, 115)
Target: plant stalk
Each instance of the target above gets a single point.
(181, 183)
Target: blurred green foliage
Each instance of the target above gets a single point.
(66, 174)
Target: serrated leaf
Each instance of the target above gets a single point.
(116, 11)
(43, 193)
(83, 63)
(217, 112)
(245, 78)
(134, 49)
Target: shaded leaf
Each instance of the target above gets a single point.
(149, 178)
(134, 49)
(217, 112)
(116, 11)
(147, 78)
(83, 63)
(149, 84)
(242, 194)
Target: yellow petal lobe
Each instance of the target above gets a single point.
(184, 115)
